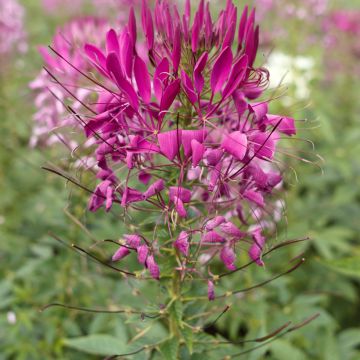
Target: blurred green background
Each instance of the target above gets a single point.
(323, 204)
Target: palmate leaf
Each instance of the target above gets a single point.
(98, 344)
(349, 266)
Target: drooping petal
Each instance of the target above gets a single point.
(120, 253)
(153, 267)
(256, 248)
(182, 243)
(179, 207)
(132, 240)
(198, 151)
(188, 135)
(264, 145)
(155, 188)
(212, 237)
(235, 144)
(169, 143)
(231, 229)
(221, 70)
(215, 222)
(142, 254)
(183, 194)
(283, 124)
(255, 197)
(211, 291)
(227, 256)
(170, 94)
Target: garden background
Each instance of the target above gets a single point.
(320, 82)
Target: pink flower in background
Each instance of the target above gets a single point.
(51, 112)
(12, 32)
(54, 6)
(279, 17)
(342, 29)
(181, 131)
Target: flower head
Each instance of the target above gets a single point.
(183, 130)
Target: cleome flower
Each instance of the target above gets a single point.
(183, 131)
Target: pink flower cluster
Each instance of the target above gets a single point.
(51, 96)
(184, 132)
(12, 32)
(280, 16)
(342, 28)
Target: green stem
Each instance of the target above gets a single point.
(176, 295)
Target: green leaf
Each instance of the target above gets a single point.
(283, 350)
(98, 344)
(188, 337)
(170, 349)
(349, 266)
(176, 310)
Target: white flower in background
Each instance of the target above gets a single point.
(297, 70)
(11, 317)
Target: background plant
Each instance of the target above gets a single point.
(29, 272)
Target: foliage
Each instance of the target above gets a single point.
(37, 270)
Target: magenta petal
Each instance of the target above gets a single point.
(195, 32)
(126, 54)
(211, 291)
(236, 76)
(169, 95)
(153, 267)
(114, 68)
(198, 151)
(96, 57)
(256, 248)
(132, 240)
(212, 237)
(260, 110)
(264, 145)
(235, 144)
(132, 25)
(144, 177)
(221, 70)
(183, 194)
(213, 156)
(198, 69)
(169, 143)
(227, 256)
(120, 253)
(142, 79)
(242, 27)
(284, 124)
(254, 197)
(179, 207)
(155, 188)
(176, 54)
(182, 243)
(188, 135)
(188, 87)
(138, 145)
(112, 43)
(215, 222)
(231, 229)
(142, 253)
(160, 75)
